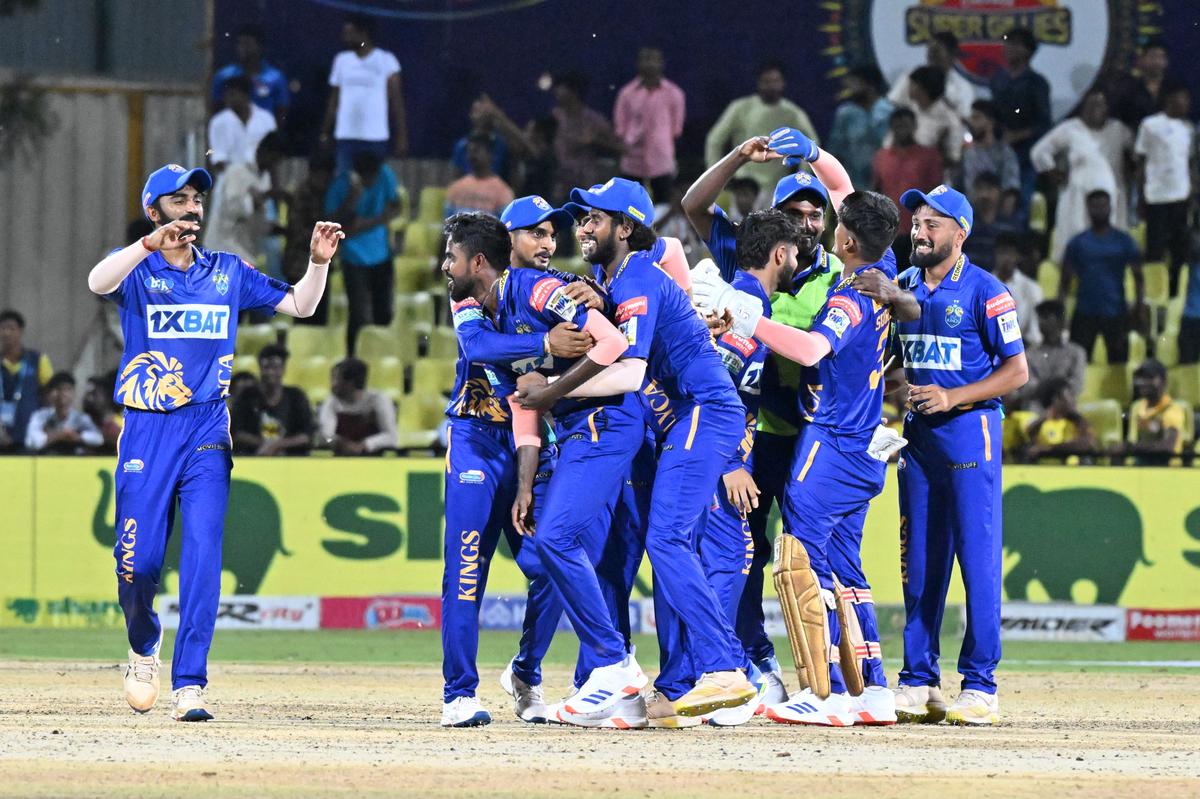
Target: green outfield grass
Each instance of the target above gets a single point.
(495, 648)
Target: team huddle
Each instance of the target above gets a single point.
(656, 409)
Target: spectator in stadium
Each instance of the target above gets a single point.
(61, 428)
(1099, 258)
(532, 147)
(1025, 291)
(482, 124)
(234, 133)
(240, 383)
(355, 420)
(938, 125)
(1061, 430)
(860, 122)
(365, 199)
(1189, 324)
(670, 220)
(942, 54)
(269, 86)
(1055, 357)
(1022, 98)
(241, 212)
(1156, 422)
(903, 164)
(481, 189)
(583, 139)
(1137, 95)
(104, 412)
(745, 198)
(987, 151)
(1165, 147)
(648, 117)
(988, 225)
(366, 94)
(272, 419)
(1097, 150)
(305, 207)
(23, 374)
(757, 115)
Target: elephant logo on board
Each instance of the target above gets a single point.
(253, 533)
(1062, 537)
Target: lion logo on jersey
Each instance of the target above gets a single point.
(477, 399)
(153, 381)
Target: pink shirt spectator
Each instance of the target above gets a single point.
(649, 120)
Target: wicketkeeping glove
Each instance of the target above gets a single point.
(793, 144)
(709, 291)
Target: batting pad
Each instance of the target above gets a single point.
(852, 641)
(804, 613)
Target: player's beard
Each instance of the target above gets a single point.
(932, 258)
(462, 289)
(603, 250)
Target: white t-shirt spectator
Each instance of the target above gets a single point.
(1167, 144)
(362, 111)
(959, 93)
(233, 141)
(46, 421)
(1027, 294)
(234, 224)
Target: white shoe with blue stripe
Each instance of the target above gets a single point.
(464, 711)
(806, 707)
(605, 686)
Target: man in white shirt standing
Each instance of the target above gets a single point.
(234, 133)
(365, 94)
(239, 218)
(1164, 147)
(942, 56)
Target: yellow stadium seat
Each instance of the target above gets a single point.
(1102, 381)
(1166, 349)
(1157, 280)
(1015, 430)
(432, 205)
(1138, 232)
(245, 363)
(337, 282)
(386, 374)
(1105, 418)
(417, 420)
(422, 239)
(376, 342)
(1137, 348)
(252, 338)
(339, 310)
(1189, 424)
(443, 343)
(311, 373)
(305, 340)
(433, 376)
(412, 273)
(1100, 351)
(1183, 383)
(1174, 314)
(1037, 212)
(1049, 276)
(414, 309)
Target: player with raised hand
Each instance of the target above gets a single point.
(960, 358)
(836, 471)
(179, 305)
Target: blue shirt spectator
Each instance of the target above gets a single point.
(499, 150)
(860, 123)
(270, 86)
(367, 195)
(1099, 261)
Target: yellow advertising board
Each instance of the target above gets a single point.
(358, 527)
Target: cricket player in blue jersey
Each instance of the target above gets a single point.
(669, 344)
(963, 354)
(480, 487)
(179, 307)
(836, 470)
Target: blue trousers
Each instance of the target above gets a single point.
(950, 505)
(771, 460)
(688, 613)
(182, 456)
(827, 498)
(480, 486)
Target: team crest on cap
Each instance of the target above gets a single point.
(942, 189)
(176, 168)
(540, 203)
(803, 178)
(603, 187)
(221, 281)
(954, 314)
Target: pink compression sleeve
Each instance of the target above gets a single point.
(609, 341)
(524, 424)
(834, 176)
(675, 264)
(795, 345)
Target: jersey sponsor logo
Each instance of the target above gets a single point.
(732, 362)
(628, 329)
(153, 381)
(954, 314)
(638, 306)
(1010, 328)
(936, 353)
(958, 268)
(221, 281)
(1000, 304)
(133, 465)
(158, 284)
(848, 305)
(837, 320)
(746, 346)
(542, 291)
(465, 311)
(561, 305)
(635, 213)
(524, 366)
(474, 476)
(187, 321)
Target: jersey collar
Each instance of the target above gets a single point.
(952, 281)
(819, 265)
(158, 263)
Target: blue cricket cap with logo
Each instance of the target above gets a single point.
(527, 212)
(944, 200)
(791, 185)
(170, 179)
(618, 195)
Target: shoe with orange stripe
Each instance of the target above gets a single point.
(874, 707)
(629, 713)
(807, 708)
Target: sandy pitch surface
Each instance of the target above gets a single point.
(299, 730)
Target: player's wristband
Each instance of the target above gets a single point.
(146, 246)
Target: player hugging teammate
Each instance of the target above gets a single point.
(655, 410)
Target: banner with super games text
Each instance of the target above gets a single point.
(374, 527)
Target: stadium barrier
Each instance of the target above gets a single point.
(373, 527)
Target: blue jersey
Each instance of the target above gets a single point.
(849, 399)
(744, 358)
(180, 327)
(479, 344)
(968, 325)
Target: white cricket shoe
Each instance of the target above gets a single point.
(464, 711)
(974, 708)
(806, 707)
(874, 707)
(776, 693)
(527, 699)
(187, 704)
(605, 686)
(141, 681)
(627, 713)
(736, 716)
(919, 704)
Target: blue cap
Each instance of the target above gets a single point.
(791, 185)
(170, 179)
(525, 212)
(618, 195)
(944, 200)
